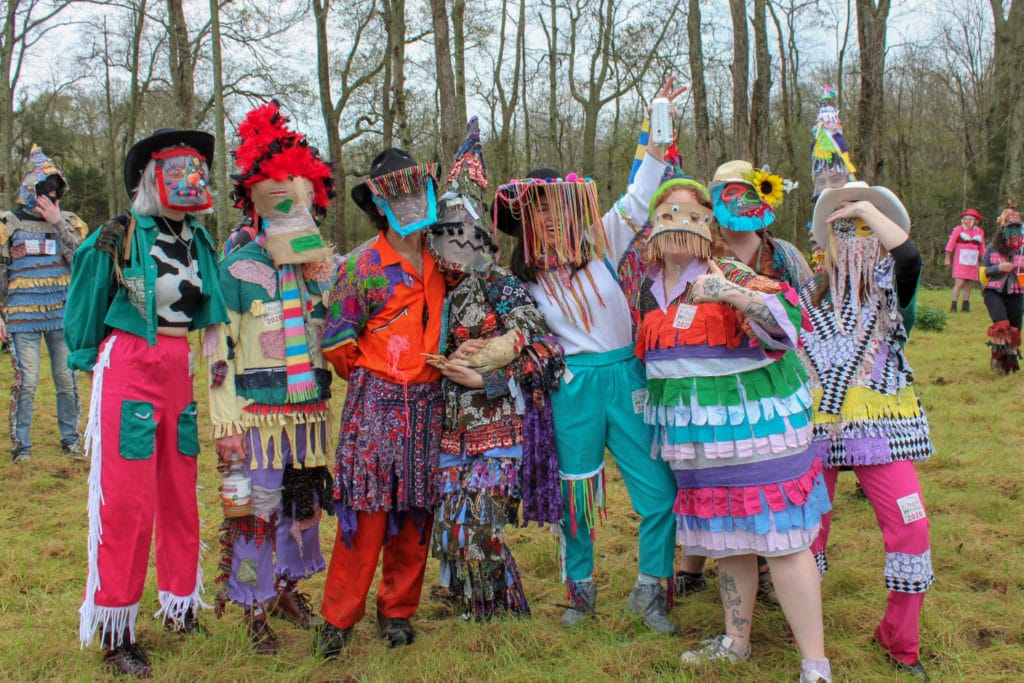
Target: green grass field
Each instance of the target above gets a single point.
(973, 622)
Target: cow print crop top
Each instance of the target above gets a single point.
(179, 285)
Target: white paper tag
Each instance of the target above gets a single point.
(50, 247)
(32, 247)
(639, 399)
(684, 316)
(968, 257)
(567, 376)
(273, 313)
(911, 508)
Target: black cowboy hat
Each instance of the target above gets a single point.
(390, 160)
(503, 218)
(141, 152)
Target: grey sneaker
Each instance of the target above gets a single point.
(583, 599)
(713, 650)
(20, 454)
(648, 600)
(73, 450)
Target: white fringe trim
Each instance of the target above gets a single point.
(91, 615)
(174, 608)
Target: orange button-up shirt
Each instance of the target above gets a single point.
(383, 316)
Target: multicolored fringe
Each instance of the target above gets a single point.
(486, 588)
(559, 286)
(502, 434)
(403, 181)
(579, 229)
(1005, 343)
(585, 493)
(267, 423)
(676, 242)
(301, 385)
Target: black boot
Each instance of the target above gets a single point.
(952, 307)
(126, 657)
(965, 307)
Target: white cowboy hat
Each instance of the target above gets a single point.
(882, 197)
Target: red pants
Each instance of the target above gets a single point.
(908, 571)
(143, 438)
(351, 571)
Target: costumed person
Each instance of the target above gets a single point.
(831, 166)
(37, 243)
(138, 285)
(565, 254)
(745, 200)
(270, 391)
(500, 365)
(866, 412)
(730, 409)
(963, 250)
(1002, 270)
(384, 315)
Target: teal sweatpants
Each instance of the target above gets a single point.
(594, 411)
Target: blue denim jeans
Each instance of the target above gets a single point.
(26, 353)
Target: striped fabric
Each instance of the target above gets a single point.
(37, 282)
(301, 386)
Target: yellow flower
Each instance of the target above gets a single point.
(768, 185)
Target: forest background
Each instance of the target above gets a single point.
(930, 91)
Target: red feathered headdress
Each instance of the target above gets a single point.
(270, 150)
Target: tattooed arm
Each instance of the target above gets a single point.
(713, 287)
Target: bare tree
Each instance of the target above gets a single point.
(740, 78)
(451, 119)
(699, 90)
(760, 127)
(182, 64)
(872, 20)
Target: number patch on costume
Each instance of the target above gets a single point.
(684, 316)
(639, 399)
(968, 257)
(911, 508)
(273, 313)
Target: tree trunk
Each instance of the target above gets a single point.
(554, 123)
(8, 168)
(224, 219)
(182, 66)
(871, 25)
(740, 77)
(452, 122)
(394, 114)
(701, 124)
(760, 123)
(459, 57)
(329, 114)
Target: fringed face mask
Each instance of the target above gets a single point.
(459, 241)
(739, 207)
(680, 228)
(856, 255)
(181, 178)
(284, 209)
(406, 197)
(561, 220)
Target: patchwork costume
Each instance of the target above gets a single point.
(1003, 293)
(35, 268)
(598, 404)
(867, 415)
(497, 447)
(137, 274)
(382, 317)
(270, 381)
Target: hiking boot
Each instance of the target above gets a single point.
(965, 307)
(292, 606)
(582, 602)
(188, 626)
(648, 600)
(329, 640)
(128, 659)
(689, 582)
(262, 636)
(766, 589)
(396, 630)
(73, 450)
(20, 454)
(714, 650)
